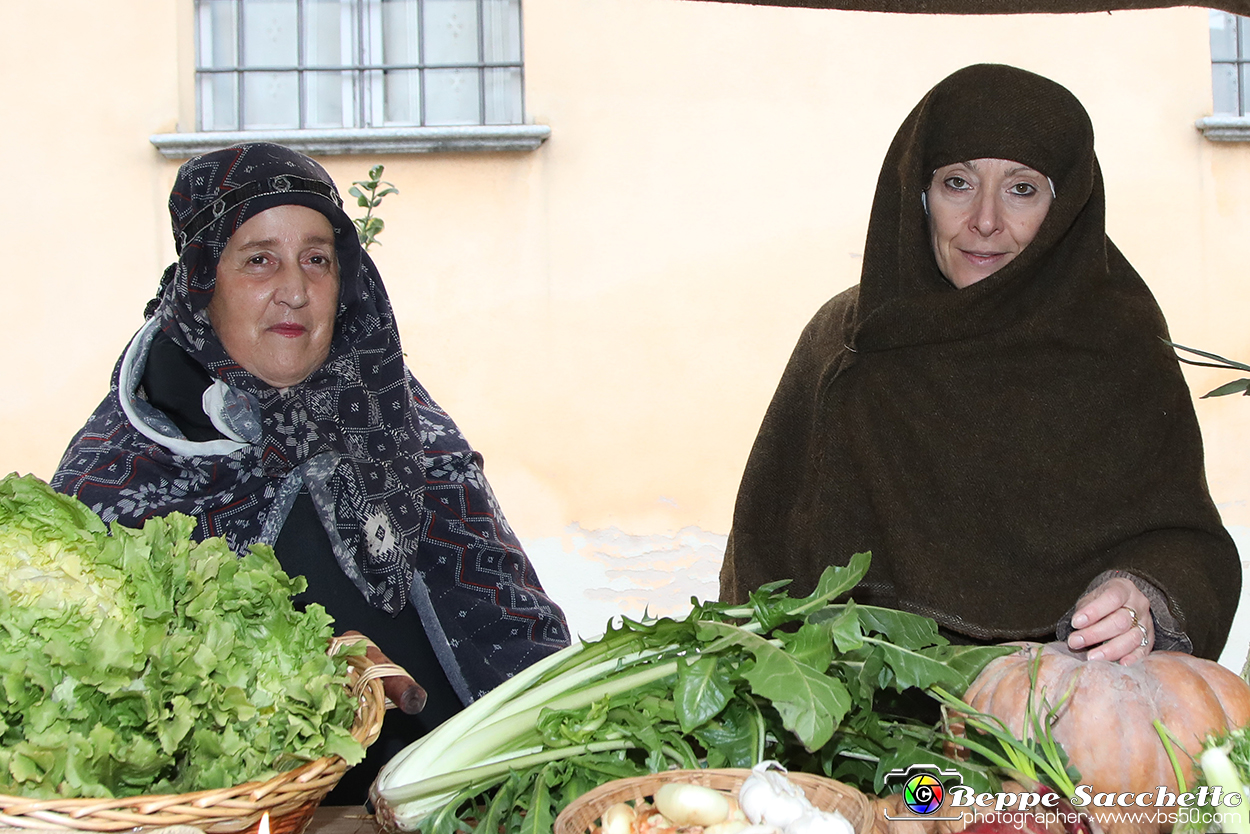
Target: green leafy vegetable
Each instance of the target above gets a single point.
(1037, 758)
(1224, 763)
(137, 661)
(816, 684)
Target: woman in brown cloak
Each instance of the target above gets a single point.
(1003, 425)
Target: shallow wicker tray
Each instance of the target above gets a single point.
(826, 794)
(290, 797)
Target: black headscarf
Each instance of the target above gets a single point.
(400, 493)
(998, 447)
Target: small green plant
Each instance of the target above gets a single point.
(1237, 386)
(369, 194)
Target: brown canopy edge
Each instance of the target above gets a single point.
(1241, 7)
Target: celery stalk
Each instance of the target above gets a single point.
(1220, 771)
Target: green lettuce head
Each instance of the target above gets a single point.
(141, 661)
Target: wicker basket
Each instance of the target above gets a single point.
(826, 794)
(290, 797)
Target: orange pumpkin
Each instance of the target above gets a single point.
(1107, 724)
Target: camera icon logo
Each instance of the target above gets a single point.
(923, 786)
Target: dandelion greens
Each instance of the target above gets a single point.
(818, 683)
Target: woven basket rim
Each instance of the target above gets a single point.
(578, 815)
(223, 809)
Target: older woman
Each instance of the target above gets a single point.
(267, 396)
(992, 411)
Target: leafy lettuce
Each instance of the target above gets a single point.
(139, 661)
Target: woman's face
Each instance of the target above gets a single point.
(277, 293)
(982, 213)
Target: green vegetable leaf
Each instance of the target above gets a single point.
(1237, 386)
(810, 703)
(844, 627)
(907, 631)
(772, 609)
(735, 738)
(140, 661)
(811, 644)
(1221, 361)
(966, 662)
(867, 676)
(500, 807)
(703, 689)
(539, 819)
(912, 667)
(835, 582)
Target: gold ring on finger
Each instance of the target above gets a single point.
(1133, 614)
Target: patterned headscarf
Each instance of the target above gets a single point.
(400, 493)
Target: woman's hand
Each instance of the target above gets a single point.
(1115, 620)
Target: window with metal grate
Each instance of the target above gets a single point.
(307, 64)
(1230, 63)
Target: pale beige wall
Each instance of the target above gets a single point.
(82, 84)
(607, 317)
(1218, 277)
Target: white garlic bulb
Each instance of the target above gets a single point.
(768, 797)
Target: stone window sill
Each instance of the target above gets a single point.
(1225, 128)
(372, 141)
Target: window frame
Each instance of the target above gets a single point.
(518, 137)
(1231, 127)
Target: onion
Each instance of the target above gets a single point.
(618, 819)
(730, 826)
(687, 804)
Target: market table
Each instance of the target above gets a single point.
(341, 819)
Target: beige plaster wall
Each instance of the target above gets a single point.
(607, 317)
(82, 84)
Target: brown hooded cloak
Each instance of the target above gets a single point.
(999, 447)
